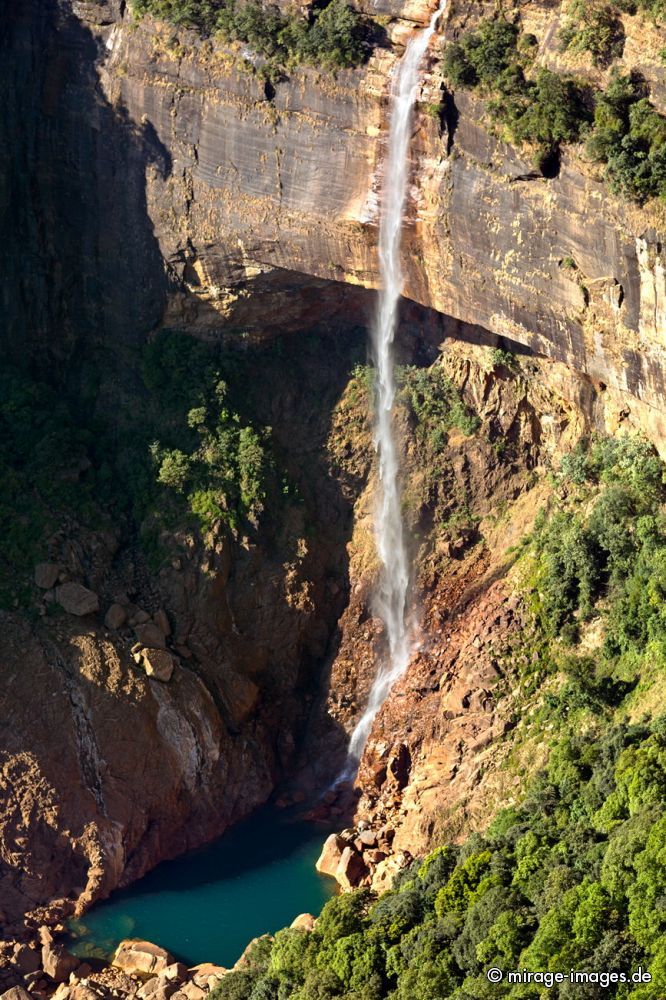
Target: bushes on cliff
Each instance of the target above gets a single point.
(545, 111)
(215, 461)
(606, 556)
(435, 405)
(629, 136)
(593, 26)
(333, 35)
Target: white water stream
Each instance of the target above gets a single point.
(392, 592)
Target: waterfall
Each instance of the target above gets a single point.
(392, 592)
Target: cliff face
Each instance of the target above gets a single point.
(159, 180)
(286, 176)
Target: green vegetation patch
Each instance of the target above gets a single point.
(601, 551)
(546, 109)
(208, 455)
(332, 35)
(435, 405)
(595, 27)
(629, 136)
(573, 877)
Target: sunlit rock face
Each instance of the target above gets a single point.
(253, 177)
(200, 183)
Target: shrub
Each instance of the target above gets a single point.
(482, 55)
(593, 26)
(435, 404)
(332, 36)
(546, 111)
(554, 114)
(629, 136)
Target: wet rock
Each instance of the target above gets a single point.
(57, 962)
(46, 575)
(77, 599)
(142, 957)
(351, 868)
(157, 663)
(115, 617)
(150, 635)
(304, 922)
(331, 853)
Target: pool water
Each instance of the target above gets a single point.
(207, 906)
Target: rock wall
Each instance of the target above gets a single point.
(158, 179)
(287, 177)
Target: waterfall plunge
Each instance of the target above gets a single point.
(391, 597)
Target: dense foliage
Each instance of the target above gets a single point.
(630, 138)
(332, 36)
(608, 545)
(219, 464)
(543, 108)
(574, 877)
(546, 110)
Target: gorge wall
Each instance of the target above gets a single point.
(158, 181)
(286, 177)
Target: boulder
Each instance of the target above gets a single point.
(46, 575)
(368, 838)
(331, 853)
(57, 962)
(143, 957)
(15, 993)
(26, 959)
(351, 868)
(150, 635)
(115, 616)
(192, 991)
(81, 991)
(77, 599)
(157, 663)
(304, 922)
(176, 973)
(161, 619)
(157, 988)
(208, 975)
